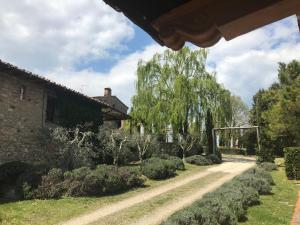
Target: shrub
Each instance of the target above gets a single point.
(24, 183)
(227, 205)
(258, 183)
(51, 185)
(105, 180)
(220, 209)
(268, 166)
(198, 160)
(265, 155)
(12, 170)
(292, 162)
(176, 161)
(157, 168)
(214, 158)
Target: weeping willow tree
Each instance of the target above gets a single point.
(175, 90)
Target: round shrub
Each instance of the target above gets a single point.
(258, 183)
(268, 166)
(220, 209)
(214, 158)
(258, 172)
(51, 185)
(198, 160)
(176, 161)
(157, 169)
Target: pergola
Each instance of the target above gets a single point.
(203, 22)
(214, 130)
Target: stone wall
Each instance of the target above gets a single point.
(21, 119)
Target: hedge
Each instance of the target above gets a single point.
(83, 182)
(292, 162)
(228, 204)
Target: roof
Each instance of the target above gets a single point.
(11, 69)
(120, 109)
(112, 101)
(202, 22)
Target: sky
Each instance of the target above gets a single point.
(86, 46)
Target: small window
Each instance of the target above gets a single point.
(22, 92)
(50, 110)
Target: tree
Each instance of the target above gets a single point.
(186, 143)
(209, 136)
(74, 147)
(284, 116)
(117, 144)
(174, 89)
(143, 143)
(276, 110)
(239, 112)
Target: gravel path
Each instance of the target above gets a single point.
(231, 168)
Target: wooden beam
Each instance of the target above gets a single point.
(236, 128)
(264, 16)
(205, 22)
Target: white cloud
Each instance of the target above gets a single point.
(121, 78)
(51, 37)
(43, 35)
(250, 62)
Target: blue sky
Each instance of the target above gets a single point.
(87, 46)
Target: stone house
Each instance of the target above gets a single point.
(115, 116)
(30, 103)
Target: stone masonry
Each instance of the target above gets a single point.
(21, 119)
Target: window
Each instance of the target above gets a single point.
(22, 92)
(50, 110)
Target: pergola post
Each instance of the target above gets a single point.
(235, 128)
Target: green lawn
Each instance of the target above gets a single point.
(46, 212)
(276, 209)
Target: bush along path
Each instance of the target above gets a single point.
(227, 204)
(227, 171)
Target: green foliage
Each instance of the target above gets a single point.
(199, 160)
(22, 177)
(277, 110)
(105, 179)
(265, 154)
(208, 129)
(258, 180)
(73, 147)
(157, 168)
(268, 166)
(174, 90)
(228, 204)
(292, 162)
(249, 141)
(176, 161)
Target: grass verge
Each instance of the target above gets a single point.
(276, 209)
(46, 212)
